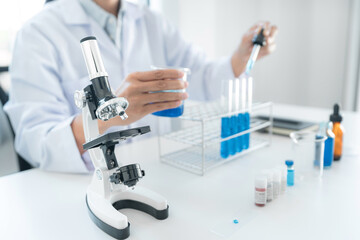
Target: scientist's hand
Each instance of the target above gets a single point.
(242, 54)
(140, 89)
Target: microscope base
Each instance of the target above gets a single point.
(114, 232)
(104, 213)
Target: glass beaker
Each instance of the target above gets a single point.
(178, 111)
(308, 149)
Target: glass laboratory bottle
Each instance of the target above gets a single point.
(178, 111)
(290, 172)
(338, 131)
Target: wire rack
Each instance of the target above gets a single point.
(199, 144)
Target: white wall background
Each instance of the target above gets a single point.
(308, 67)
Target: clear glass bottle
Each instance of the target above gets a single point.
(178, 111)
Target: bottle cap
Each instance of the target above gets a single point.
(269, 175)
(261, 181)
(289, 163)
(283, 170)
(336, 117)
(277, 175)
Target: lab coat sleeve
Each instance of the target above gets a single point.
(206, 75)
(38, 109)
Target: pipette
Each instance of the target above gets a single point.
(258, 41)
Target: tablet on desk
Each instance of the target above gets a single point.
(284, 126)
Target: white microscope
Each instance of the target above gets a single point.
(113, 186)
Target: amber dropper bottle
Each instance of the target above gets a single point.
(338, 130)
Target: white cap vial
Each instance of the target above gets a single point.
(276, 182)
(269, 190)
(283, 170)
(260, 190)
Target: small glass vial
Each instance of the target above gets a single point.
(283, 171)
(290, 172)
(260, 191)
(269, 188)
(276, 182)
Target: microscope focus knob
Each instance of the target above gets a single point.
(129, 175)
(80, 99)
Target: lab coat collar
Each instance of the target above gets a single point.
(74, 14)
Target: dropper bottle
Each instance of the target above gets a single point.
(338, 130)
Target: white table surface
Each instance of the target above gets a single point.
(42, 205)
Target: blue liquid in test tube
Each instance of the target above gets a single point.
(225, 132)
(233, 130)
(246, 126)
(239, 145)
(227, 123)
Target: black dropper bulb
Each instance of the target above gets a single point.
(259, 38)
(336, 117)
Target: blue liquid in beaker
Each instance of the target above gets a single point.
(172, 112)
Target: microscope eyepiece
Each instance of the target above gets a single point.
(107, 105)
(92, 57)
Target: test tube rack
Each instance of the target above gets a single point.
(196, 146)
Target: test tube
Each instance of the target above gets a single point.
(232, 125)
(238, 119)
(246, 86)
(226, 126)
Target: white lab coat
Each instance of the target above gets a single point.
(48, 67)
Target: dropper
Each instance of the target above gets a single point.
(258, 41)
